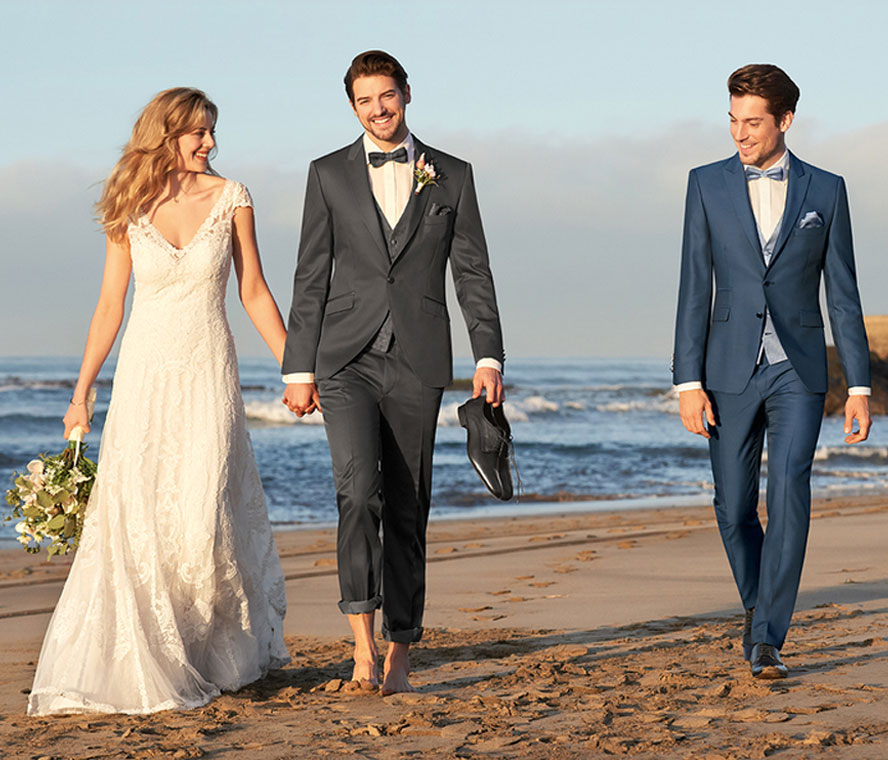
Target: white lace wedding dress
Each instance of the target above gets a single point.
(176, 591)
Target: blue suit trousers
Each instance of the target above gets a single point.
(767, 564)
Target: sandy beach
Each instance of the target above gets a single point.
(580, 635)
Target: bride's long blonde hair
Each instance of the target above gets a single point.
(150, 155)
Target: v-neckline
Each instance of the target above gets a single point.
(179, 252)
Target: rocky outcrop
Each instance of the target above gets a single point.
(877, 332)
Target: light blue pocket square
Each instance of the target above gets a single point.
(811, 220)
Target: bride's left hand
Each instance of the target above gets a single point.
(76, 416)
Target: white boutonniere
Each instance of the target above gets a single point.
(424, 173)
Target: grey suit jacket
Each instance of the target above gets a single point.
(346, 281)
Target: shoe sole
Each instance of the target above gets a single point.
(770, 674)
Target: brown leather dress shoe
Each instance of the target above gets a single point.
(747, 634)
(766, 662)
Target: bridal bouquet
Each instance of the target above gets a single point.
(50, 498)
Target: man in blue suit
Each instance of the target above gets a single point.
(765, 226)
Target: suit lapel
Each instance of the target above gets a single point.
(795, 196)
(359, 182)
(735, 179)
(414, 211)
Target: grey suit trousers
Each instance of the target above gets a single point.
(381, 422)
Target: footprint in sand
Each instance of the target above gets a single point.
(487, 618)
(523, 577)
(325, 562)
(474, 545)
(500, 593)
(541, 584)
(587, 556)
(555, 537)
(476, 609)
(630, 544)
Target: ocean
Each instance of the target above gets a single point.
(604, 432)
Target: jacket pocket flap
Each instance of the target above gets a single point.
(431, 306)
(810, 318)
(721, 314)
(340, 303)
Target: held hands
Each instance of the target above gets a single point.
(693, 406)
(302, 398)
(857, 407)
(490, 380)
(76, 416)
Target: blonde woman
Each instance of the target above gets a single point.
(176, 592)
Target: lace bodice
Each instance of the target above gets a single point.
(176, 277)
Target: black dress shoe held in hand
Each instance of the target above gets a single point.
(766, 662)
(488, 444)
(747, 634)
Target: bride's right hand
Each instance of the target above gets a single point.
(76, 416)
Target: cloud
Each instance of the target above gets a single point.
(584, 237)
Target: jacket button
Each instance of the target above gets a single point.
(759, 314)
(767, 283)
(390, 279)
(394, 241)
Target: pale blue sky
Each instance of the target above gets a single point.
(582, 120)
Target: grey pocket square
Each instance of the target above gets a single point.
(811, 220)
(437, 210)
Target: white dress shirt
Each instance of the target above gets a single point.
(768, 200)
(391, 184)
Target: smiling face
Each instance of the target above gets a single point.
(195, 146)
(758, 135)
(381, 108)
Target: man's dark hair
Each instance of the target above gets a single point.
(375, 63)
(769, 82)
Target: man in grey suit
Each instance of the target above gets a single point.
(767, 227)
(369, 341)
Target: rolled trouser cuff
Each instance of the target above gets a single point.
(407, 636)
(360, 608)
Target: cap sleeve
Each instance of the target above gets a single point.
(240, 197)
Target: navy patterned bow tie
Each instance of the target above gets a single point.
(378, 159)
(777, 173)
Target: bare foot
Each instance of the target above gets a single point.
(365, 670)
(397, 669)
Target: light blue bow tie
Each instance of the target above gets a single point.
(777, 173)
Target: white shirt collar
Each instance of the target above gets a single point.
(782, 161)
(372, 147)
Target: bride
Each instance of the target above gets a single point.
(176, 591)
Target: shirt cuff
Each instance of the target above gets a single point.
(860, 390)
(491, 363)
(299, 377)
(694, 385)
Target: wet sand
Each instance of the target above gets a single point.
(582, 635)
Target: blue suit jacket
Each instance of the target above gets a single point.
(717, 340)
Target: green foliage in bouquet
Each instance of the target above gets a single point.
(50, 500)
